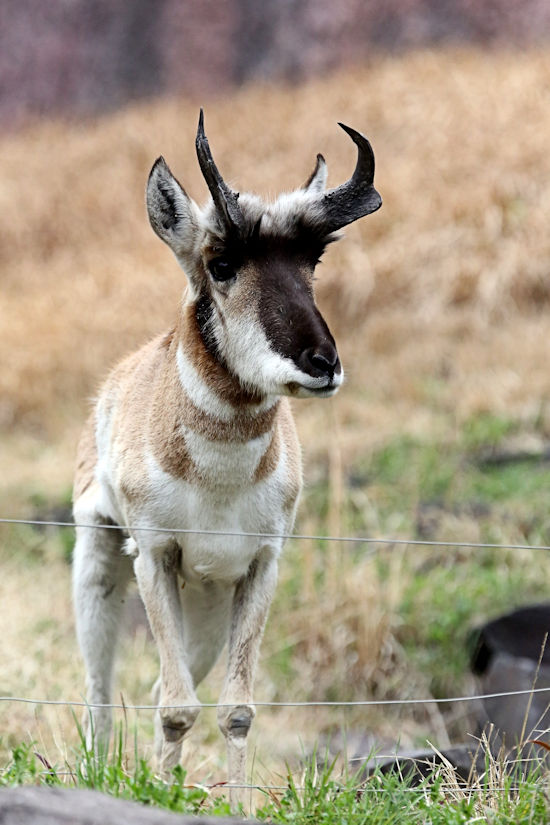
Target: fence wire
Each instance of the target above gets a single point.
(431, 700)
(286, 536)
(345, 539)
(360, 788)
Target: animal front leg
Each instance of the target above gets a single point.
(156, 574)
(251, 602)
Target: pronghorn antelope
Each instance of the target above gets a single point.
(195, 431)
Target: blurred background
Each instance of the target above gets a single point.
(80, 57)
(439, 303)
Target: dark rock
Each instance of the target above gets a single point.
(515, 717)
(506, 658)
(521, 633)
(416, 765)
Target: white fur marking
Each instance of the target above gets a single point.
(246, 350)
(199, 392)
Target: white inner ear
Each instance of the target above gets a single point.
(165, 197)
(319, 180)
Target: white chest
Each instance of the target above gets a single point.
(221, 464)
(221, 552)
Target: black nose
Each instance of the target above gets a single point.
(319, 361)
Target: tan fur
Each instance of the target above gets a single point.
(87, 458)
(270, 458)
(289, 436)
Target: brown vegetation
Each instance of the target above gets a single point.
(458, 255)
(439, 303)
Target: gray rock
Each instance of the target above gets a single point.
(32, 805)
(416, 765)
(515, 716)
(506, 658)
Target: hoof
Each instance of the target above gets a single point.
(173, 732)
(237, 723)
(240, 725)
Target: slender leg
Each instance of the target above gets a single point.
(206, 616)
(251, 602)
(206, 610)
(156, 573)
(100, 576)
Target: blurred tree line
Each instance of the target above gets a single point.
(83, 56)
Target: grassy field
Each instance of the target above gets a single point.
(313, 795)
(439, 304)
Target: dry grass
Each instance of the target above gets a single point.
(459, 249)
(439, 303)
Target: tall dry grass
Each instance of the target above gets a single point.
(439, 282)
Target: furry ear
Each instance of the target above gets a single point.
(172, 213)
(317, 181)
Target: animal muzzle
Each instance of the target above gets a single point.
(320, 361)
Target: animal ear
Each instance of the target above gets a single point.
(317, 181)
(172, 213)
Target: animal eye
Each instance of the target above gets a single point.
(221, 269)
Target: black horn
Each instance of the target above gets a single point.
(357, 197)
(225, 200)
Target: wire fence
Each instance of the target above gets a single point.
(286, 536)
(296, 536)
(374, 543)
(360, 788)
(431, 700)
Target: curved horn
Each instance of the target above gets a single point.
(357, 197)
(225, 200)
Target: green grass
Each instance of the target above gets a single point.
(409, 477)
(450, 494)
(316, 795)
(113, 775)
(454, 598)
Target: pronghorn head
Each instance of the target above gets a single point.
(251, 264)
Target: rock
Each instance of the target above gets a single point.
(41, 805)
(515, 716)
(506, 658)
(520, 633)
(416, 765)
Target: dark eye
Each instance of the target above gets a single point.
(221, 269)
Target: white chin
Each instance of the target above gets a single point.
(301, 391)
